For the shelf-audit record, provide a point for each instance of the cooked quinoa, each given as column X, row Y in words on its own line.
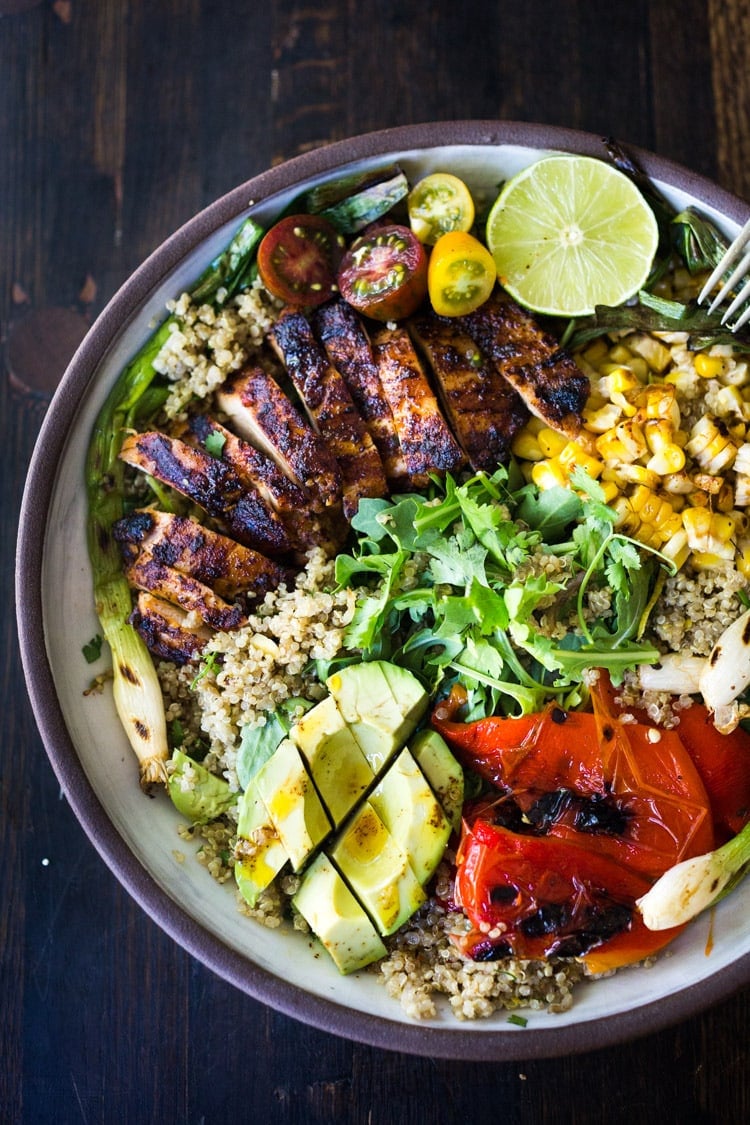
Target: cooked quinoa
column 272, row 659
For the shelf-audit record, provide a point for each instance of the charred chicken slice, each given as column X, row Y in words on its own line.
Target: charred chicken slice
column 229, row 568
column 347, row 346
column 483, row 409
column 145, row 572
column 331, row 408
column 426, row 442
column 261, row 413
column 288, row 499
column 167, row 630
column 546, row 377
column 210, row 484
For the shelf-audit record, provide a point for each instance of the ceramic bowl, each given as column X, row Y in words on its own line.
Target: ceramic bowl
column 87, row 748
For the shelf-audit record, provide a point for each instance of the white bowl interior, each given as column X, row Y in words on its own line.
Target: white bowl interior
column 149, row 827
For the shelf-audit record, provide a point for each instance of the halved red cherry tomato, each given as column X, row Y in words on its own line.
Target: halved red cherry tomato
column 534, row 897
column 723, row 762
column 462, row 274
column 298, row 259
column 384, row 273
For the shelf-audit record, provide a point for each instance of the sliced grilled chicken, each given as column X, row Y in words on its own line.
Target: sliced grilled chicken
column 210, row 484
column 166, row 630
column 484, row 411
column 331, row 408
column 261, row 413
column 426, row 442
column 347, row 346
column 144, row 572
column 229, row 568
column 546, row 377
column 289, row 500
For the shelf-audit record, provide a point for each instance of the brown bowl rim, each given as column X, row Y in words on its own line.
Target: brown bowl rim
column 445, row 1042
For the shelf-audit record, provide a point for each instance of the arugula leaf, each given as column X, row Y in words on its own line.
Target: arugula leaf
column 257, row 744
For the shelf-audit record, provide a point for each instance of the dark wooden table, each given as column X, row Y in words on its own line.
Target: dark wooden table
column 118, row 121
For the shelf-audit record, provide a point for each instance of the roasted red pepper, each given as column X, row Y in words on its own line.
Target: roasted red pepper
column 723, row 762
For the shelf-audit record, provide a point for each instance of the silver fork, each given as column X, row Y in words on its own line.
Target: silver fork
column 739, row 279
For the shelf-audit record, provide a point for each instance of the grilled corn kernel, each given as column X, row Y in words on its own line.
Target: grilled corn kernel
column 742, row 460
column 710, row 560
column 549, row 474
column 709, row 533
column 742, row 558
column 729, row 403
column 659, row 401
column 676, row 548
column 596, row 352
column 574, row 454
column 652, row 351
column 610, row 490
column 638, row 474
column 677, row 484
column 667, row 457
column 742, row 491
column 550, row 442
column 620, row 354
column 711, row 446
column 602, row 418
column 708, row 366
column 622, row 380
column 526, row 446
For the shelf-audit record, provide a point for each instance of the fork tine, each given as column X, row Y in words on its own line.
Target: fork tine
column 739, row 272
column 741, row 319
column 732, row 253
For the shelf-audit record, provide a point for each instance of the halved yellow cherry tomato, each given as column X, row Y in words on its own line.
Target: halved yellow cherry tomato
column 461, row 274
column 437, row 204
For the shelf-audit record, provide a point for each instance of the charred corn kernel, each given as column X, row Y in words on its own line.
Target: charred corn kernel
column 659, row 401
column 648, row 517
column 742, row 490
column 550, row 442
column 596, row 352
column 549, row 474
column 708, row 366
column 526, row 446
column 729, row 403
column 620, row 354
column 725, row 499
column 622, row 380
column 574, row 454
column 602, row 418
column 711, row 446
column 709, row 533
column 667, row 457
column 652, row 351
column 707, row 483
column 676, row 548
column 638, row 474
column 677, row 484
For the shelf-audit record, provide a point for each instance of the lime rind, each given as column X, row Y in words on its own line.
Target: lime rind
column 569, row 233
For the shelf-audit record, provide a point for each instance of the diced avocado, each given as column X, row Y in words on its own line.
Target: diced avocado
column 382, row 704
column 293, row 804
column 196, row 793
column 335, row 916
column 260, row 854
column 378, row 871
column 412, row 814
column 333, row 757
column 442, row 771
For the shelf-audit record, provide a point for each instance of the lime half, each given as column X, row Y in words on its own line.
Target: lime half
column 569, row 233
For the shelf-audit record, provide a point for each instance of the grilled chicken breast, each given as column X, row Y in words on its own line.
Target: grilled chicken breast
column 426, row 442
column 331, row 408
column 347, row 346
column 548, row 379
column 257, row 471
column 212, row 485
column 484, row 411
column 261, row 413
column 166, row 630
column 229, row 568
column 144, row 572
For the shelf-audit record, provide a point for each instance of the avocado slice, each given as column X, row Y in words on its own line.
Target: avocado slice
column 260, row 854
column 206, row 797
column 382, row 704
column 412, row 814
column 443, row 772
column 377, row 870
column 332, row 755
column 293, row 805
column 335, row 916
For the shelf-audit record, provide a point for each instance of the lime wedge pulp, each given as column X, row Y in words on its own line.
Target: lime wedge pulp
column 571, row 232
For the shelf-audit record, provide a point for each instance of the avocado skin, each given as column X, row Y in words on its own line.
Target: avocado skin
column 382, row 704
column 443, row 772
column 335, row 916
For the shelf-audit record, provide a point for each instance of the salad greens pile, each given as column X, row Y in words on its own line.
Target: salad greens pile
column 450, row 585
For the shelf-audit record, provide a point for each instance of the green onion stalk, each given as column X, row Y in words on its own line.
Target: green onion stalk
column 136, row 688
column 690, row 887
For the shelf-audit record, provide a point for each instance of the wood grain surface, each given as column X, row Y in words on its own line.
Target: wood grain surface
column 118, row 121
